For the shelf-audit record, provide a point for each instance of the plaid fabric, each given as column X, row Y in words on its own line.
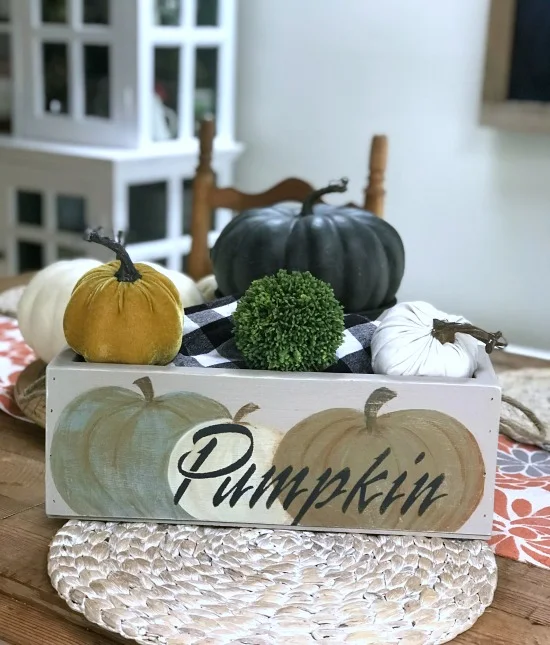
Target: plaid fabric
column 208, row 340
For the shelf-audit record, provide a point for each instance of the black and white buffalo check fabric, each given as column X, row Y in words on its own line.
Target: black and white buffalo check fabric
column 208, row 340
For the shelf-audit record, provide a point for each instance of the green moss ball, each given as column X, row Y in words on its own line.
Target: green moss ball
column 290, row 322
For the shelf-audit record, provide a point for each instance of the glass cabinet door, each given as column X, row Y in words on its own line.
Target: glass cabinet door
column 165, row 107
column 97, row 90
column 55, row 74
column 168, row 13
column 54, row 11
column 206, row 83
column 96, row 12
column 186, row 86
column 207, row 13
column 84, row 55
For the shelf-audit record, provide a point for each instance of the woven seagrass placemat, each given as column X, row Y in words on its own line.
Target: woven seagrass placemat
column 187, row 585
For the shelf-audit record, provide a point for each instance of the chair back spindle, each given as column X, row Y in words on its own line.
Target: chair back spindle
column 208, row 197
column 374, row 192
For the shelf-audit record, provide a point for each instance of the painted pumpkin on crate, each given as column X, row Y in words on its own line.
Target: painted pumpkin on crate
column 122, row 453
column 229, row 447
column 42, row 305
column 403, row 470
column 121, row 312
column 360, row 255
column 112, row 445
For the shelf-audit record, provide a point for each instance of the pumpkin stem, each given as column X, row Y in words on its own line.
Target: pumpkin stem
column 146, row 386
column 247, row 409
column 376, row 400
column 334, row 187
column 445, row 332
column 127, row 271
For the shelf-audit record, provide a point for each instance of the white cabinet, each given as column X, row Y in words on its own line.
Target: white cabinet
column 122, row 73
column 100, row 102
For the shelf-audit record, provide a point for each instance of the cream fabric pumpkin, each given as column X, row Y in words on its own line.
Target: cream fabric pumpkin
column 42, row 305
column 189, row 292
column 403, row 344
column 207, row 286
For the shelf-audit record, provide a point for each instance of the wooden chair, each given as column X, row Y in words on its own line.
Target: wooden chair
column 207, row 196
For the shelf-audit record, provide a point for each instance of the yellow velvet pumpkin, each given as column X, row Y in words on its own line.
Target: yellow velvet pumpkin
column 121, row 312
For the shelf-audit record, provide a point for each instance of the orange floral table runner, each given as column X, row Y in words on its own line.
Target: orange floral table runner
column 521, row 526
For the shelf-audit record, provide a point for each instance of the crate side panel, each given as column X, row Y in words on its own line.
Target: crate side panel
column 163, row 444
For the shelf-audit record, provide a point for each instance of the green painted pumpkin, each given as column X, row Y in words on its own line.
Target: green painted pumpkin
column 360, row 255
column 111, row 449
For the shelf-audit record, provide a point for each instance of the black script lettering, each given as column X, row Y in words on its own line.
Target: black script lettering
column 364, row 482
column 222, row 428
column 238, row 490
column 204, row 453
column 391, row 496
column 341, row 477
column 431, row 489
column 280, row 484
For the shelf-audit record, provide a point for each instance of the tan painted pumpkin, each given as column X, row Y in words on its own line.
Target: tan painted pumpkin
column 397, row 462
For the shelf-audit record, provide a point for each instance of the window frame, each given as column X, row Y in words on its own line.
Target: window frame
column 497, row 110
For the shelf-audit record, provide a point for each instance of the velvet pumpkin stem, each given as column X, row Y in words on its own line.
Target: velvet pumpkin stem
column 445, row 332
column 334, row 187
column 127, row 271
column 146, row 386
column 243, row 412
column 376, row 400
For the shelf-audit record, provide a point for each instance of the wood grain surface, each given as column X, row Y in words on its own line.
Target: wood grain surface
column 32, row 612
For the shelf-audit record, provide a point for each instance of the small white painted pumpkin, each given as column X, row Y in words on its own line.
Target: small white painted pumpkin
column 228, row 448
column 42, row 306
column 208, row 286
column 416, row 339
column 190, row 294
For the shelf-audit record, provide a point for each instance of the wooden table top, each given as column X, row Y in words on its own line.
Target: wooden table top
column 32, row 612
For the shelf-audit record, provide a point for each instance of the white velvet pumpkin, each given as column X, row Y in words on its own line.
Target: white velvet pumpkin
column 42, row 305
column 403, row 344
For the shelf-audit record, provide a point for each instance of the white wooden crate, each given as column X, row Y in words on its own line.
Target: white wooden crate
column 172, row 448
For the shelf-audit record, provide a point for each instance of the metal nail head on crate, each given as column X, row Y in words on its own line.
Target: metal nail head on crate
column 361, row 453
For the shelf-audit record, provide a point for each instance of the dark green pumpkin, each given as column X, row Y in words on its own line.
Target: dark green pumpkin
column 360, row 255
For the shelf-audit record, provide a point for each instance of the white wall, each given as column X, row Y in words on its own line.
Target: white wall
column 317, row 78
